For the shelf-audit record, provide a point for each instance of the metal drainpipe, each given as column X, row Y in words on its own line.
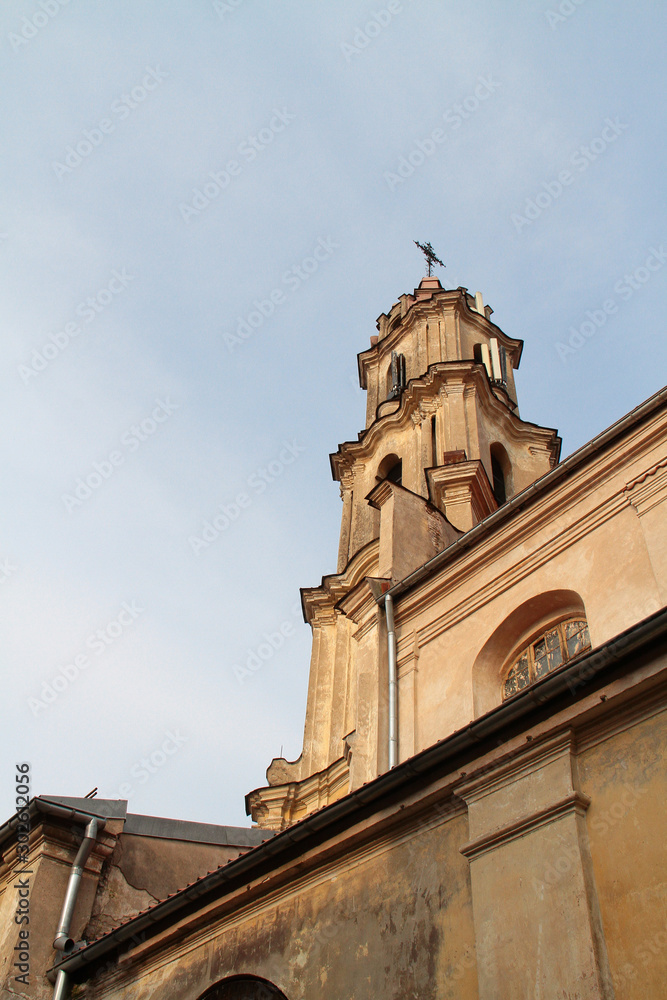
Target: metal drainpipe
column 393, row 686
column 63, row 942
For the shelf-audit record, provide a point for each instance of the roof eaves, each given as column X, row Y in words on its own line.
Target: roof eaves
column 575, row 680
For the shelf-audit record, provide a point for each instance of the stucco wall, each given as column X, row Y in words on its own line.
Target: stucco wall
column 624, row 775
column 392, row 922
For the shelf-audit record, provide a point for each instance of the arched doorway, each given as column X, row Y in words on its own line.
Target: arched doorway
column 243, row 988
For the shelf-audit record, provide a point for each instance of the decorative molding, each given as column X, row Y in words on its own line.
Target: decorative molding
column 574, row 803
column 531, row 758
column 619, row 718
column 320, row 607
column 427, row 407
column 645, row 475
column 379, row 495
column 445, row 377
column 275, row 807
column 461, row 488
column 320, row 602
column 535, row 809
column 649, row 489
column 359, row 604
column 346, row 479
column 476, row 559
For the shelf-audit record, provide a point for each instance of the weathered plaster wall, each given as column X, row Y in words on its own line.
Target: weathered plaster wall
column 144, row 870
column 394, row 922
column 625, row 777
column 50, row 864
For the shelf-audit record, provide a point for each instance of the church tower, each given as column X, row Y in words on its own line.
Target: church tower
column 443, row 447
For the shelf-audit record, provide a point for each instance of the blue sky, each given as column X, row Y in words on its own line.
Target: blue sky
column 204, row 209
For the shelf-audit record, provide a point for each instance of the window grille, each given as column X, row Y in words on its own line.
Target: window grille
column 555, row 646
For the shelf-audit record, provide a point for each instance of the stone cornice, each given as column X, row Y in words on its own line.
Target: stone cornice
column 575, row 802
column 530, row 760
column 649, row 489
column 421, row 391
column 466, row 482
column 425, row 303
column 278, row 806
column 319, row 603
column 360, row 602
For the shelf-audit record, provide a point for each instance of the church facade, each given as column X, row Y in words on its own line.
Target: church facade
column 478, row 811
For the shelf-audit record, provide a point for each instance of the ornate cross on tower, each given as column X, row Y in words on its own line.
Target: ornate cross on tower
column 431, row 258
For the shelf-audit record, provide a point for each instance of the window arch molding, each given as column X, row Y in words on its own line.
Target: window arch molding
column 514, row 632
column 243, row 988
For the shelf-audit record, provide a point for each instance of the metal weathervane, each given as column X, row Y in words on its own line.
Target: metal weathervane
column 430, row 254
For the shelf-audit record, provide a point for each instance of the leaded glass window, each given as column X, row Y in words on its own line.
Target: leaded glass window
column 547, row 652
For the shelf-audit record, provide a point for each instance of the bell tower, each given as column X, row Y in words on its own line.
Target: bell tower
column 441, row 408
column 443, row 446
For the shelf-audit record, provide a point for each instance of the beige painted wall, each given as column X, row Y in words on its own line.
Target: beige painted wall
column 390, row 921
column 625, row 777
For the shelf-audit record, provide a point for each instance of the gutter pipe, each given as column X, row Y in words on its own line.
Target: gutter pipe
column 582, row 673
column 393, row 685
column 63, row 942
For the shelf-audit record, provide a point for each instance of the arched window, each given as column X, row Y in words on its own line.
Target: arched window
column 545, row 653
column 499, row 491
column 391, row 468
column 396, row 376
column 501, row 474
column 515, row 634
column 243, row 988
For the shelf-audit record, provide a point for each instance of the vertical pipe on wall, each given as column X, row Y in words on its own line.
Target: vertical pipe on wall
column 393, row 685
column 63, row 942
